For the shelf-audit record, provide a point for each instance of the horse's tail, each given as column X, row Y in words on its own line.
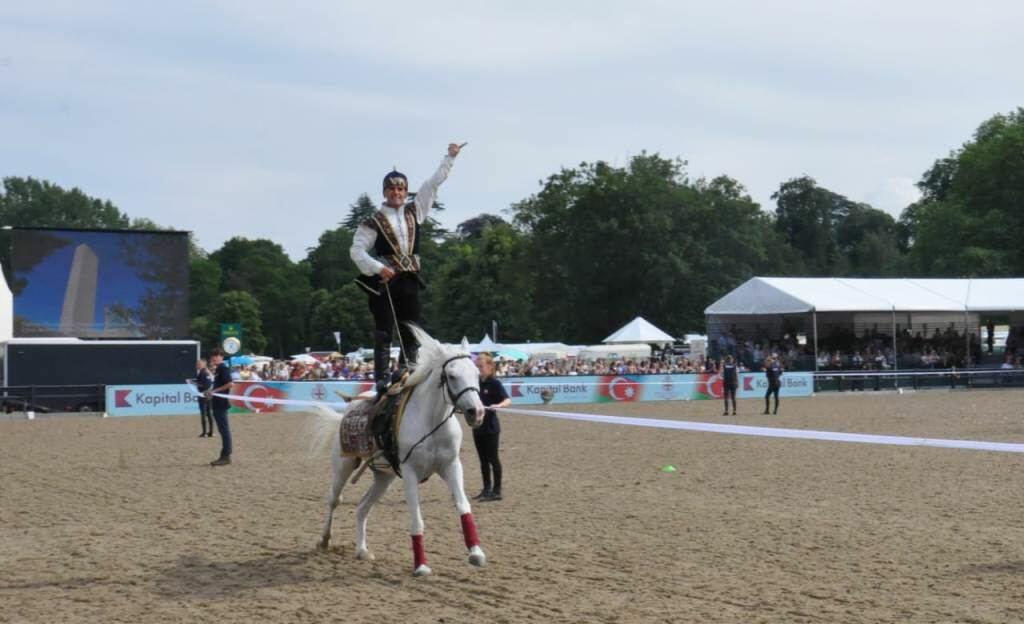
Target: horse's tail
column 324, row 429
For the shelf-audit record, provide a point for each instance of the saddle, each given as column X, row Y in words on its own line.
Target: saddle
column 370, row 428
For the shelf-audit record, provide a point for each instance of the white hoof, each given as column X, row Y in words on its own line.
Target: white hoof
column 363, row 554
column 477, row 557
column 423, row 570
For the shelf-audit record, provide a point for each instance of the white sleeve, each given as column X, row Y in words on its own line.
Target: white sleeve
column 362, row 242
column 425, row 196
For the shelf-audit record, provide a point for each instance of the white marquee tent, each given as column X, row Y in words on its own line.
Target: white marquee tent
column 793, row 295
column 639, row 330
column 882, row 302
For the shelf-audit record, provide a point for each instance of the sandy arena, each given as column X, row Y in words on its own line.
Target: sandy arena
column 123, row 520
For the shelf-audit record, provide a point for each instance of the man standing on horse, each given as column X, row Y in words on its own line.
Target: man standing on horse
column 391, row 273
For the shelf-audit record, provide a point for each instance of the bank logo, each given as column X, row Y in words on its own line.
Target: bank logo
column 121, row 398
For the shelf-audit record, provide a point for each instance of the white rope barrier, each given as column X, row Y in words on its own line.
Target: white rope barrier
column 945, row 373
column 773, row 432
column 242, row 398
column 763, row 432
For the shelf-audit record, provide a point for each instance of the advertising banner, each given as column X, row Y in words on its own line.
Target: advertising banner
column 249, row 393
column 181, row 399
column 630, row 388
column 151, row 400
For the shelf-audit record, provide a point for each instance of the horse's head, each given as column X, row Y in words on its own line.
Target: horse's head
column 460, row 379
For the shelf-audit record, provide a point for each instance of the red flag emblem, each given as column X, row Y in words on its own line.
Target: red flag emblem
column 253, row 392
column 617, row 388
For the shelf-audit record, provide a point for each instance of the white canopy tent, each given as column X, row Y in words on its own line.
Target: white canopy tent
column 624, row 351
column 639, row 330
column 791, row 295
column 875, row 299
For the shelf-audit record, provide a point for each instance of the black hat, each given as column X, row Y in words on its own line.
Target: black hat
column 395, row 177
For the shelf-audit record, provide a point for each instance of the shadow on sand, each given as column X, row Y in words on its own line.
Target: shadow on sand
column 197, row 577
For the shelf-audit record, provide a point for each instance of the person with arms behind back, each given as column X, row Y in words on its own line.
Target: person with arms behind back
column 730, row 382
column 204, row 381
column 773, row 372
column 487, row 435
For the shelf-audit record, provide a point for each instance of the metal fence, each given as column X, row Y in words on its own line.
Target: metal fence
column 89, row 398
column 953, row 378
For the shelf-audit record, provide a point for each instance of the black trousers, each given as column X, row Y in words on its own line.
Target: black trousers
column 487, row 450
column 220, row 416
column 405, row 296
column 730, row 392
column 206, row 415
column 772, row 390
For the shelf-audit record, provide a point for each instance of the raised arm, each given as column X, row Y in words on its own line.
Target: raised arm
column 428, row 192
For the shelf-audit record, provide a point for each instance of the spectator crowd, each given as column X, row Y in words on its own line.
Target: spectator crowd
column 843, row 349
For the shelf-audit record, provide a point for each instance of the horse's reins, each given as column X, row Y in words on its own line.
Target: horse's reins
column 454, row 403
column 394, row 317
column 387, row 283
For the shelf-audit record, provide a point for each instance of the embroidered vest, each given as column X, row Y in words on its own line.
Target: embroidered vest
column 386, row 247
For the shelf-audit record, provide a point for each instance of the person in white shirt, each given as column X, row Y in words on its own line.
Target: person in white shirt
column 391, row 273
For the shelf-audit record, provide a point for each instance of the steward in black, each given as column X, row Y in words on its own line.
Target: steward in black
column 730, row 382
column 773, row 372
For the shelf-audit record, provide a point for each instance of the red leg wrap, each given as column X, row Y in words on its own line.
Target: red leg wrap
column 469, row 530
column 419, row 555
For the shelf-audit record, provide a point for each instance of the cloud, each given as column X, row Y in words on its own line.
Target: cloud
column 893, row 195
column 263, row 119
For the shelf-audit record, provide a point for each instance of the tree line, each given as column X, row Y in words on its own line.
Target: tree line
column 596, row 246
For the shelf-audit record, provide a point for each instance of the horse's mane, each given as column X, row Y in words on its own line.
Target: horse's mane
column 431, row 355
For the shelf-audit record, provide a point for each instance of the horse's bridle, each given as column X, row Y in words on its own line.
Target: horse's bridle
column 451, row 396
column 446, row 384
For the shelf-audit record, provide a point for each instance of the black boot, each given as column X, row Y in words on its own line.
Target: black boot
column 410, row 349
column 381, row 359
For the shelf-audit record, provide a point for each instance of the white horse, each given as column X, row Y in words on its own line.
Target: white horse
column 444, row 381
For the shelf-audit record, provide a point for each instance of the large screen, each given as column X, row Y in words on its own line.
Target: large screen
column 99, row 284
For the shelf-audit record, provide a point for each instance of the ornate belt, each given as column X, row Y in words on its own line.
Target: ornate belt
column 404, row 263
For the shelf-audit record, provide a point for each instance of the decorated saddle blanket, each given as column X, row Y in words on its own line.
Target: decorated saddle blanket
column 356, row 431
column 372, row 426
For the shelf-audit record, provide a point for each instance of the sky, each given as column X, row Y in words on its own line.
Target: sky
column 266, row 120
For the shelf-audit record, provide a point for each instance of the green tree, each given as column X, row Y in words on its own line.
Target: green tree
column 485, row 274
column 971, row 213
column 204, row 277
column 234, row 306
column 360, row 211
column 281, row 286
column 329, row 262
column 343, row 310
column 607, row 244
column 474, row 228
column 834, row 235
column 806, row 216
column 27, row 202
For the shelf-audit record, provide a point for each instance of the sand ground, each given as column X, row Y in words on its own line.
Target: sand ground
column 123, row 520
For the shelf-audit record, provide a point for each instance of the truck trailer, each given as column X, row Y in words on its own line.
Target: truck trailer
column 71, row 374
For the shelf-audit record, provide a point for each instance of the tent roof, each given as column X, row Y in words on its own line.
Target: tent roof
column 793, row 295
column 638, row 330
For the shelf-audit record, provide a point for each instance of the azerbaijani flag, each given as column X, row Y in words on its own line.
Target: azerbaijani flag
column 618, row 388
